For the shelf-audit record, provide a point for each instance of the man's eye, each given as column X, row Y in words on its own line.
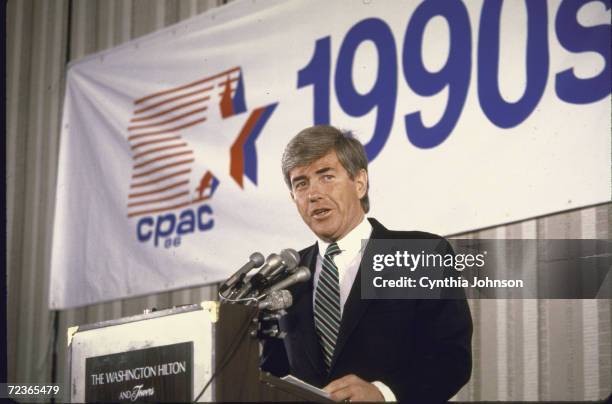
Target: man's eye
column 328, row 177
column 299, row 185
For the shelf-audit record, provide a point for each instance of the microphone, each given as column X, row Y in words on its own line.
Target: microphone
column 259, row 280
column 272, row 262
column 290, row 259
column 277, row 300
column 302, row 274
column 255, row 260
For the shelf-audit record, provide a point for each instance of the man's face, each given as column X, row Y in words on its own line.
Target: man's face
column 327, row 198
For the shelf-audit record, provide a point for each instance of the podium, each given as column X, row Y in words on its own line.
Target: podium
column 170, row 356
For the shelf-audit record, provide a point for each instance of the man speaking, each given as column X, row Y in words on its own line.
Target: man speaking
column 357, row 349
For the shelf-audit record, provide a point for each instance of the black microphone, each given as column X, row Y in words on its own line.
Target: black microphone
column 255, row 260
column 277, row 300
column 301, row 275
column 259, row 280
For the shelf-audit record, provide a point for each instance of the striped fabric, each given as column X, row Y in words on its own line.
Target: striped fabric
column 327, row 304
column 162, row 158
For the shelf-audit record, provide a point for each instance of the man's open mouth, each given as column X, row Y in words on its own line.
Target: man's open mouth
column 320, row 213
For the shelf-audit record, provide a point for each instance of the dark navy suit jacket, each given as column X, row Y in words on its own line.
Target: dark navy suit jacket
column 421, row 349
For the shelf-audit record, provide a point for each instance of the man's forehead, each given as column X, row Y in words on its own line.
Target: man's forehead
column 329, row 160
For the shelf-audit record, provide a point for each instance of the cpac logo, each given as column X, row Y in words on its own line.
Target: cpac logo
column 171, row 187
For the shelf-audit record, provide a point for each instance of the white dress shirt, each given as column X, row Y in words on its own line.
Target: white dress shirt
column 351, row 250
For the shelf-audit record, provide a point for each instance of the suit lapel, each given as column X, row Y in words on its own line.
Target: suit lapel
column 308, row 334
column 355, row 306
column 353, row 311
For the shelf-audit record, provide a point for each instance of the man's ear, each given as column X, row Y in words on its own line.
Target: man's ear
column 361, row 183
column 292, row 196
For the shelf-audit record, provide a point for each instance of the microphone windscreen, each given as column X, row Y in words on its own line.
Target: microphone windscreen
column 290, row 257
column 277, row 300
column 257, row 259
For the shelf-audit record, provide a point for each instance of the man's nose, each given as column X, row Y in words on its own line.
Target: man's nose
column 314, row 196
column 314, row 193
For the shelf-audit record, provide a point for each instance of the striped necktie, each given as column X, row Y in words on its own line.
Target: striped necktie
column 327, row 304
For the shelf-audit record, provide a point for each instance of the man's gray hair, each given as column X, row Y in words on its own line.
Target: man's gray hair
column 315, row 142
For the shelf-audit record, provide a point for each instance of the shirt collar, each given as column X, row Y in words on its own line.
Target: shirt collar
column 352, row 242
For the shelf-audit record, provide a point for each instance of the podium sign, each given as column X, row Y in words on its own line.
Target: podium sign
column 164, row 356
column 159, row 374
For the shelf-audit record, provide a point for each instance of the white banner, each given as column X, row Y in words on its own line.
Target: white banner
column 473, row 114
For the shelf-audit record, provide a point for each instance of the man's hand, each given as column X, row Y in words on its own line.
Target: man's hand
column 353, row 388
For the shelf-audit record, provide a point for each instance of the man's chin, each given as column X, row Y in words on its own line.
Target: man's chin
column 327, row 236
column 320, row 231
